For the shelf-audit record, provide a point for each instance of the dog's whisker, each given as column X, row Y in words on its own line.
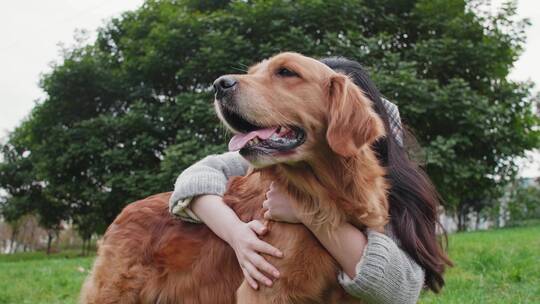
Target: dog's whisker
column 243, row 70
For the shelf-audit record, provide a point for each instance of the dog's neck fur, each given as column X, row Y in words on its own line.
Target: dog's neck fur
column 331, row 189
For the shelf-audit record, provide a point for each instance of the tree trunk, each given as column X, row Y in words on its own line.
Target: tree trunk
column 12, row 246
column 83, row 253
column 49, row 241
column 462, row 218
column 31, row 240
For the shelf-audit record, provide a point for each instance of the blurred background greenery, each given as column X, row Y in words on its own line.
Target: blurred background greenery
column 125, row 113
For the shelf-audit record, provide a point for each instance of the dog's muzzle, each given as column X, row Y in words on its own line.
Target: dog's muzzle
column 224, row 86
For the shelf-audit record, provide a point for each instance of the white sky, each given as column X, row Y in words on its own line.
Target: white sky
column 30, row 31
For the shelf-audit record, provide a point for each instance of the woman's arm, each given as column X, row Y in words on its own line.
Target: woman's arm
column 385, row 273
column 345, row 243
column 197, row 198
column 242, row 237
column 381, row 272
column 207, row 176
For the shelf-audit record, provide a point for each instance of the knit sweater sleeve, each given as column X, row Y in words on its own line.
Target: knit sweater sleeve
column 207, row 176
column 385, row 273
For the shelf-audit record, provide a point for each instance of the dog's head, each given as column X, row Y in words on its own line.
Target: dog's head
column 291, row 107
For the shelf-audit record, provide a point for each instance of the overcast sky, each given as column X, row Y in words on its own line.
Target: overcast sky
column 30, row 31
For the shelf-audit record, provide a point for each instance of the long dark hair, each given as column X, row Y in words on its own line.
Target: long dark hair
column 413, row 199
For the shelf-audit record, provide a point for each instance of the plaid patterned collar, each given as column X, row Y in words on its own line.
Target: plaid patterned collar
column 396, row 128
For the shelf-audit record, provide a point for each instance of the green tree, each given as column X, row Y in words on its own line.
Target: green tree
column 126, row 113
column 25, row 191
column 524, row 202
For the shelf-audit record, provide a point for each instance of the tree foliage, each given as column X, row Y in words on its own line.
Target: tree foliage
column 126, row 113
column 524, row 202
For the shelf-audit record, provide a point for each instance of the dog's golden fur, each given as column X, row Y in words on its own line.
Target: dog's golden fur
column 147, row 256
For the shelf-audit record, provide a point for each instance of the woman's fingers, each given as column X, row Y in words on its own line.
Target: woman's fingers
column 263, row 264
column 271, row 186
column 258, row 227
column 267, row 215
column 249, row 279
column 264, row 247
column 253, row 263
column 271, row 190
column 256, row 274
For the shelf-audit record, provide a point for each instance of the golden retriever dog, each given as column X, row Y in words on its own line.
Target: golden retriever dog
column 301, row 125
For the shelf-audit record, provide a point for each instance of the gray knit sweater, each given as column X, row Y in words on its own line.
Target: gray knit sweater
column 385, row 273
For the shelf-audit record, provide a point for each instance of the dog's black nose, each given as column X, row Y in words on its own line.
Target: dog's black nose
column 224, row 84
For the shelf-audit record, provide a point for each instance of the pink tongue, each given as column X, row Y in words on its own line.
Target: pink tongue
column 240, row 140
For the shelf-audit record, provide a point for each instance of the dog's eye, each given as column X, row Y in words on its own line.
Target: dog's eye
column 284, row 72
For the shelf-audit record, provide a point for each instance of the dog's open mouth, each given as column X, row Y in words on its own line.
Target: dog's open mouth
column 262, row 139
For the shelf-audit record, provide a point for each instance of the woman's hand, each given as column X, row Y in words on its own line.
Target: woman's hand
column 242, row 237
column 279, row 206
column 345, row 243
column 248, row 248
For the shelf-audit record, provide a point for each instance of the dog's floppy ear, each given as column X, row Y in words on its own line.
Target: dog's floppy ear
column 352, row 122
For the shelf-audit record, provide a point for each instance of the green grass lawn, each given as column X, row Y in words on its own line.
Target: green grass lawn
column 35, row 278
column 498, row 266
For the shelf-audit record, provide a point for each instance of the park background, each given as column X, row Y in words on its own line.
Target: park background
column 125, row 105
